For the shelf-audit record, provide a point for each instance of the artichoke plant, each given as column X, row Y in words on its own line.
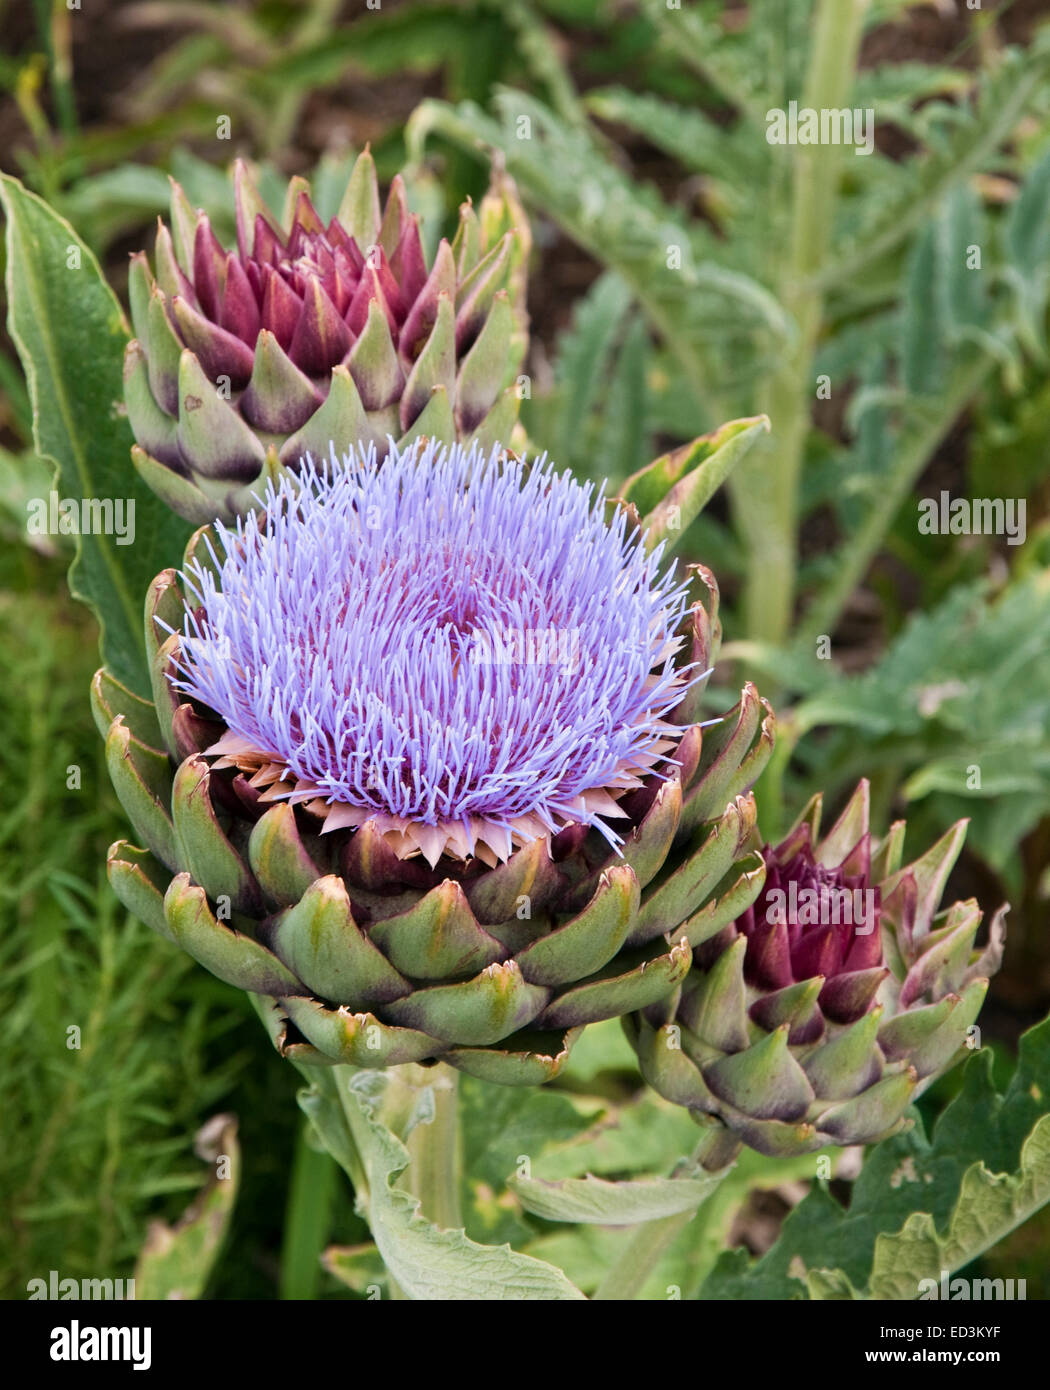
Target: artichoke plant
column 245, row 361
column 833, row 1000
column 424, row 768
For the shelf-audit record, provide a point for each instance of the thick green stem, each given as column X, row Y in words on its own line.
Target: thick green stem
column 766, row 486
column 434, row 1173
column 307, row 1225
column 420, row 1106
column 714, row 1154
column 640, row 1256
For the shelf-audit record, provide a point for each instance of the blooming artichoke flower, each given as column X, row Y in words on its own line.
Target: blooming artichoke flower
column 424, row 768
column 245, row 361
column 832, row 1001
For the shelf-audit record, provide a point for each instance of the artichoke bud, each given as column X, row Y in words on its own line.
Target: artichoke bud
column 832, row 1000
column 245, row 360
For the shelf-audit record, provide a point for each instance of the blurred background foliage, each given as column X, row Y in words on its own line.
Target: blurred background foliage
column 632, row 129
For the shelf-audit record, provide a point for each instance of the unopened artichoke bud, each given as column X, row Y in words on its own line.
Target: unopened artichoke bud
column 246, row 360
column 834, row 1000
column 425, row 768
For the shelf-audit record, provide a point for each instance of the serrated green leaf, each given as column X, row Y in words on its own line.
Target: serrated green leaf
column 830, row 1284
column 70, row 334
column 541, row 54
column 672, row 267
column 686, row 134
column 426, row 1262
column 990, row 1205
column 975, row 665
column 595, row 1200
column 639, row 1136
column 894, row 89
column 918, row 1201
column 586, row 1253
column 960, row 704
column 976, row 134
column 728, row 63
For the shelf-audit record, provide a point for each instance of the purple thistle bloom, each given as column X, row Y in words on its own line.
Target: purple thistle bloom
column 462, row 649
